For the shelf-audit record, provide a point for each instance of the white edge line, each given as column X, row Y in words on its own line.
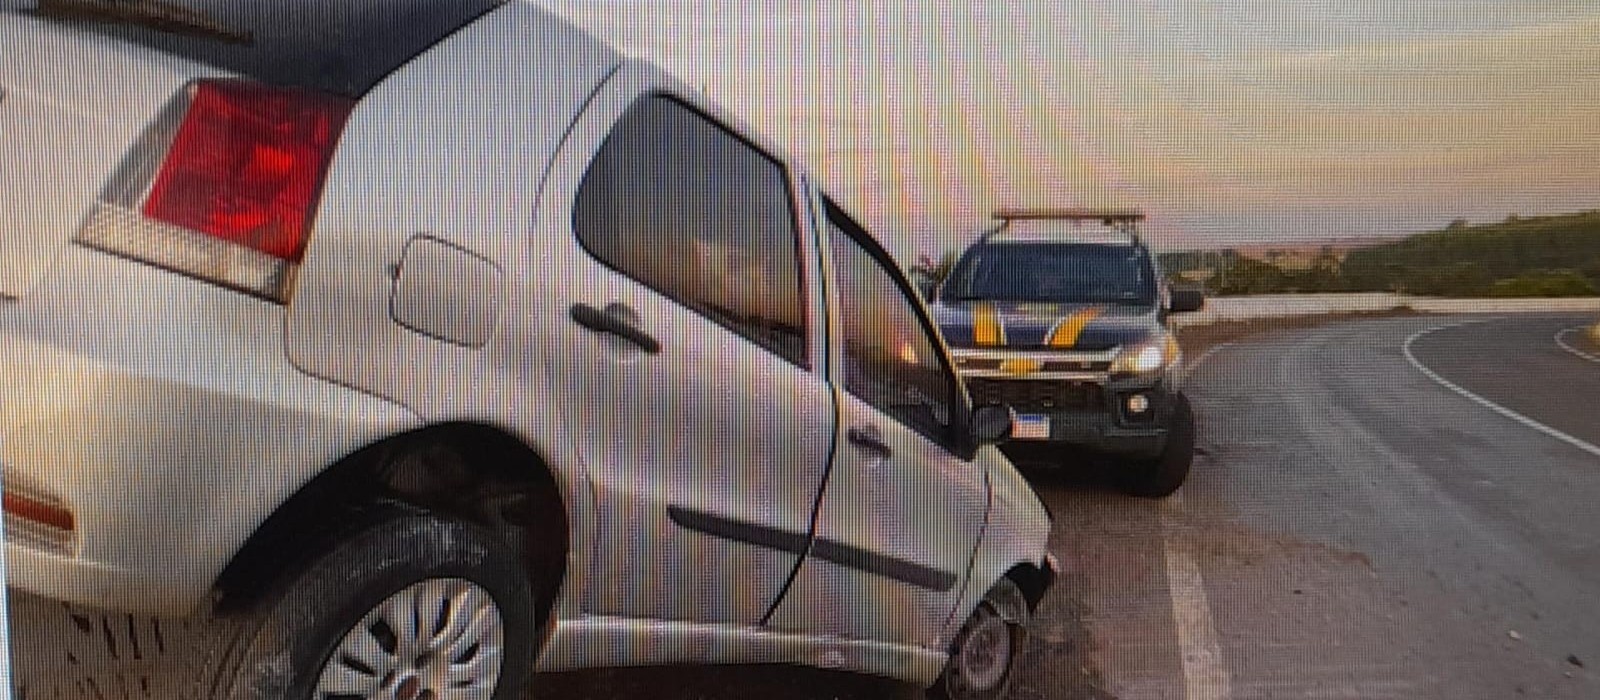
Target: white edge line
column 1207, row 355
column 1205, row 675
column 1565, row 346
column 1497, row 408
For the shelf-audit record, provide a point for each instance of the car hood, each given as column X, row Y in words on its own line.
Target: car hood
column 1044, row 325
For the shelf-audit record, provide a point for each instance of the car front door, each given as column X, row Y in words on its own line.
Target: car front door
column 688, row 343
column 901, row 514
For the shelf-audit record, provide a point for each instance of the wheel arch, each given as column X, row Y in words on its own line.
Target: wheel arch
column 1033, row 579
column 473, row 471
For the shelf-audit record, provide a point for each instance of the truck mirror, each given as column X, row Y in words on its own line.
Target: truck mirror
column 1185, row 300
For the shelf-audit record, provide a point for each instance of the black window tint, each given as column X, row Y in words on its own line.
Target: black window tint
column 680, row 204
column 1055, row 272
column 890, row 360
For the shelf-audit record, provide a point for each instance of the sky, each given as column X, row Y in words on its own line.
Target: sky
column 1232, row 121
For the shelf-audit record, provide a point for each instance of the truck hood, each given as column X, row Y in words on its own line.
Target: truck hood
column 1044, row 325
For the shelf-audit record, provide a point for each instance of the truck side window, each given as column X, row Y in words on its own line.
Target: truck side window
column 890, row 360
column 687, row 208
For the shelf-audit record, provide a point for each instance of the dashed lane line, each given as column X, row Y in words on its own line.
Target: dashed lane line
column 1497, row 408
column 1204, row 673
column 1561, row 339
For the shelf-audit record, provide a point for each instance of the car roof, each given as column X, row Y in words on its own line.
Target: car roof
column 343, row 46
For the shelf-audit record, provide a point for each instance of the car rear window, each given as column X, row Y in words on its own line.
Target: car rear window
column 343, row 47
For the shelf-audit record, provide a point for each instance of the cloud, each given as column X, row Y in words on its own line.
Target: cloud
column 1341, row 118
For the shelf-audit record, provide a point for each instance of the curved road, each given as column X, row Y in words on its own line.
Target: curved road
column 1403, row 507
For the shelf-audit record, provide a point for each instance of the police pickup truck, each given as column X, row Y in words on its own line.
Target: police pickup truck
column 1064, row 316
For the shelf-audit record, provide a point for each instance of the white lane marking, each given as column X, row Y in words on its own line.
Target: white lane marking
column 1207, row 355
column 1561, row 340
column 1204, row 674
column 1497, row 408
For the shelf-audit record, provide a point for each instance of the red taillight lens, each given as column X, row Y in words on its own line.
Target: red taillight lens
column 247, row 164
column 39, row 511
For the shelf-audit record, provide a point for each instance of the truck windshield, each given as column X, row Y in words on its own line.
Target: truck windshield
column 340, row 47
column 1085, row 273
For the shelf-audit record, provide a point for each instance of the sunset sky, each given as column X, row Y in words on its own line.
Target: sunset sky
column 1227, row 121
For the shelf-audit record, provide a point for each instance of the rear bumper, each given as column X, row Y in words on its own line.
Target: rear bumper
column 163, row 415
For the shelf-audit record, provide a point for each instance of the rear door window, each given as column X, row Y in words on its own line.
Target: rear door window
column 684, row 206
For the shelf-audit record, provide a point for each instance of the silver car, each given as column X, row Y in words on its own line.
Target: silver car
column 414, row 347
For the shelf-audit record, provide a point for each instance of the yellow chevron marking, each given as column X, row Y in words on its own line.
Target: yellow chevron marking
column 1065, row 334
column 986, row 327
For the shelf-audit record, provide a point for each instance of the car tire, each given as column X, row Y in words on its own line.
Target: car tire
column 1159, row 477
column 408, row 604
column 983, row 657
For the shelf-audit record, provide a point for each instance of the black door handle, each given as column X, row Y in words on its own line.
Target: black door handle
column 868, row 438
column 612, row 321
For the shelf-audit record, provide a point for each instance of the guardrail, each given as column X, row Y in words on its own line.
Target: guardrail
column 1243, row 308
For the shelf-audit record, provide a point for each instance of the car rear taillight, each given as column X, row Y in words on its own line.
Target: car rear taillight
column 234, row 196
column 38, row 521
column 247, row 165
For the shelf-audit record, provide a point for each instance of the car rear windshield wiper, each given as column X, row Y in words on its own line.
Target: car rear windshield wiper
column 151, row 14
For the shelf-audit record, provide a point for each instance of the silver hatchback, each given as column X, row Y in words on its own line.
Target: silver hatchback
column 418, row 351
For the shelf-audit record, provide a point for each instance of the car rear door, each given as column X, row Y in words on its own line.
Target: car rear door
column 686, row 353
column 902, row 512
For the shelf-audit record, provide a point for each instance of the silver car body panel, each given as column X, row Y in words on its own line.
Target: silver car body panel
column 98, row 380
column 901, row 530
column 74, row 105
column 685, row 504
column 462, row 166
column 609, row 641
column 1017, row 533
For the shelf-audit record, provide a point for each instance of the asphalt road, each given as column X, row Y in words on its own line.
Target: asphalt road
column 1355, row 527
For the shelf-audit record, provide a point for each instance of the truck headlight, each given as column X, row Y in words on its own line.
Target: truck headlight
column 1152, row 355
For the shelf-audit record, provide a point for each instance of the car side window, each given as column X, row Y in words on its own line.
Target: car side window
column 890, row 359
column 684, row 206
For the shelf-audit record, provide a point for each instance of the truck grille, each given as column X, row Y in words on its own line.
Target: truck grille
column 1035, row 395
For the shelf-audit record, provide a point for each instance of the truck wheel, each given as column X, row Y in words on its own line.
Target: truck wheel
column 985, row 651
column 1161, row 476
column 411, row 607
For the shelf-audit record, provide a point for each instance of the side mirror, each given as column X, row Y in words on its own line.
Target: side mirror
column 991, row 424
column 1184, row 300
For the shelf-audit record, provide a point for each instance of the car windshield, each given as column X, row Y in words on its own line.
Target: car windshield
column 340, row 47
column 1054, row 272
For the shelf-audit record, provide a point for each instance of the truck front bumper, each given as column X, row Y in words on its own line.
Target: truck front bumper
column 1122, row 417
